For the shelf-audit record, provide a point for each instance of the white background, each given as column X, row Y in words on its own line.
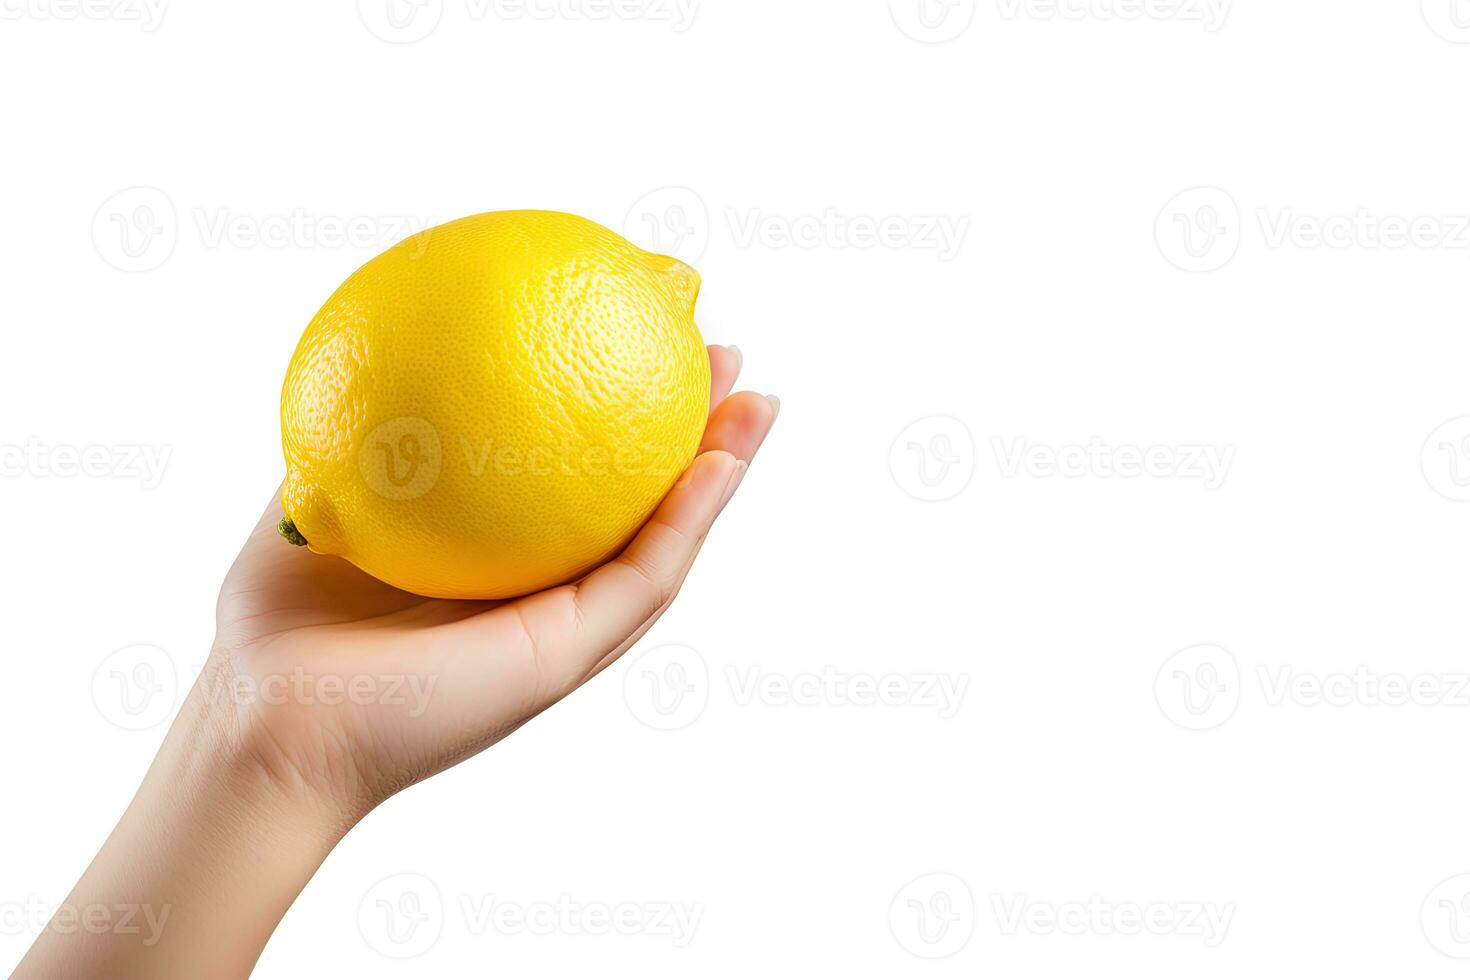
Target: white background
column 1293, row 320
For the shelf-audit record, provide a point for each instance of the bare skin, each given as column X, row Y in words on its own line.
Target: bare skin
column 326, row 692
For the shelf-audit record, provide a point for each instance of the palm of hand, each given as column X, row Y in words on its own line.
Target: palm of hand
column 346, row 688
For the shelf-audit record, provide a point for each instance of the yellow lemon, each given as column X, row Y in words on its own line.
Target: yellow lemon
column 493, row 406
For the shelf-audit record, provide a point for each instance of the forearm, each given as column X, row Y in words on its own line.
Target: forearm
column 197, row 873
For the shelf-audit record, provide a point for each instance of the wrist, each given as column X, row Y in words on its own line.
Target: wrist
column 233, row 755
column 212, row 851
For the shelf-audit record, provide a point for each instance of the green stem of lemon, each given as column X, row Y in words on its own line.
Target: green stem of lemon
column 287, row 527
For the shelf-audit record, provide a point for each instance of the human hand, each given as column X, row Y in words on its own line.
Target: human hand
column 353, row 689
column 327, row 691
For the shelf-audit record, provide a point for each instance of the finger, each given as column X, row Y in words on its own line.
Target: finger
column 615, row 599
column 567, row 630
column 739, row 425
column 647, row 624
column 568, row 633
column 724, row 368
column 606, row 600
column 737, row 428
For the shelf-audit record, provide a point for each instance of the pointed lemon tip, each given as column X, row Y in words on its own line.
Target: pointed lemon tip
column 685, row 282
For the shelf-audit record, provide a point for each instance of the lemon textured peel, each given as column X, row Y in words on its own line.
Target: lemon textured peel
column 493, row 406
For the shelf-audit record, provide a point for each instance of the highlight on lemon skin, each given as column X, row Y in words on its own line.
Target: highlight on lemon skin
column 493, row 406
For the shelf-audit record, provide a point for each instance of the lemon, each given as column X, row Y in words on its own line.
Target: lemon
column 493, row 406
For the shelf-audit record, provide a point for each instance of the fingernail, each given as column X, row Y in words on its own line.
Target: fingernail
column 739, row 357
column 740, row 467
column 775, row 406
